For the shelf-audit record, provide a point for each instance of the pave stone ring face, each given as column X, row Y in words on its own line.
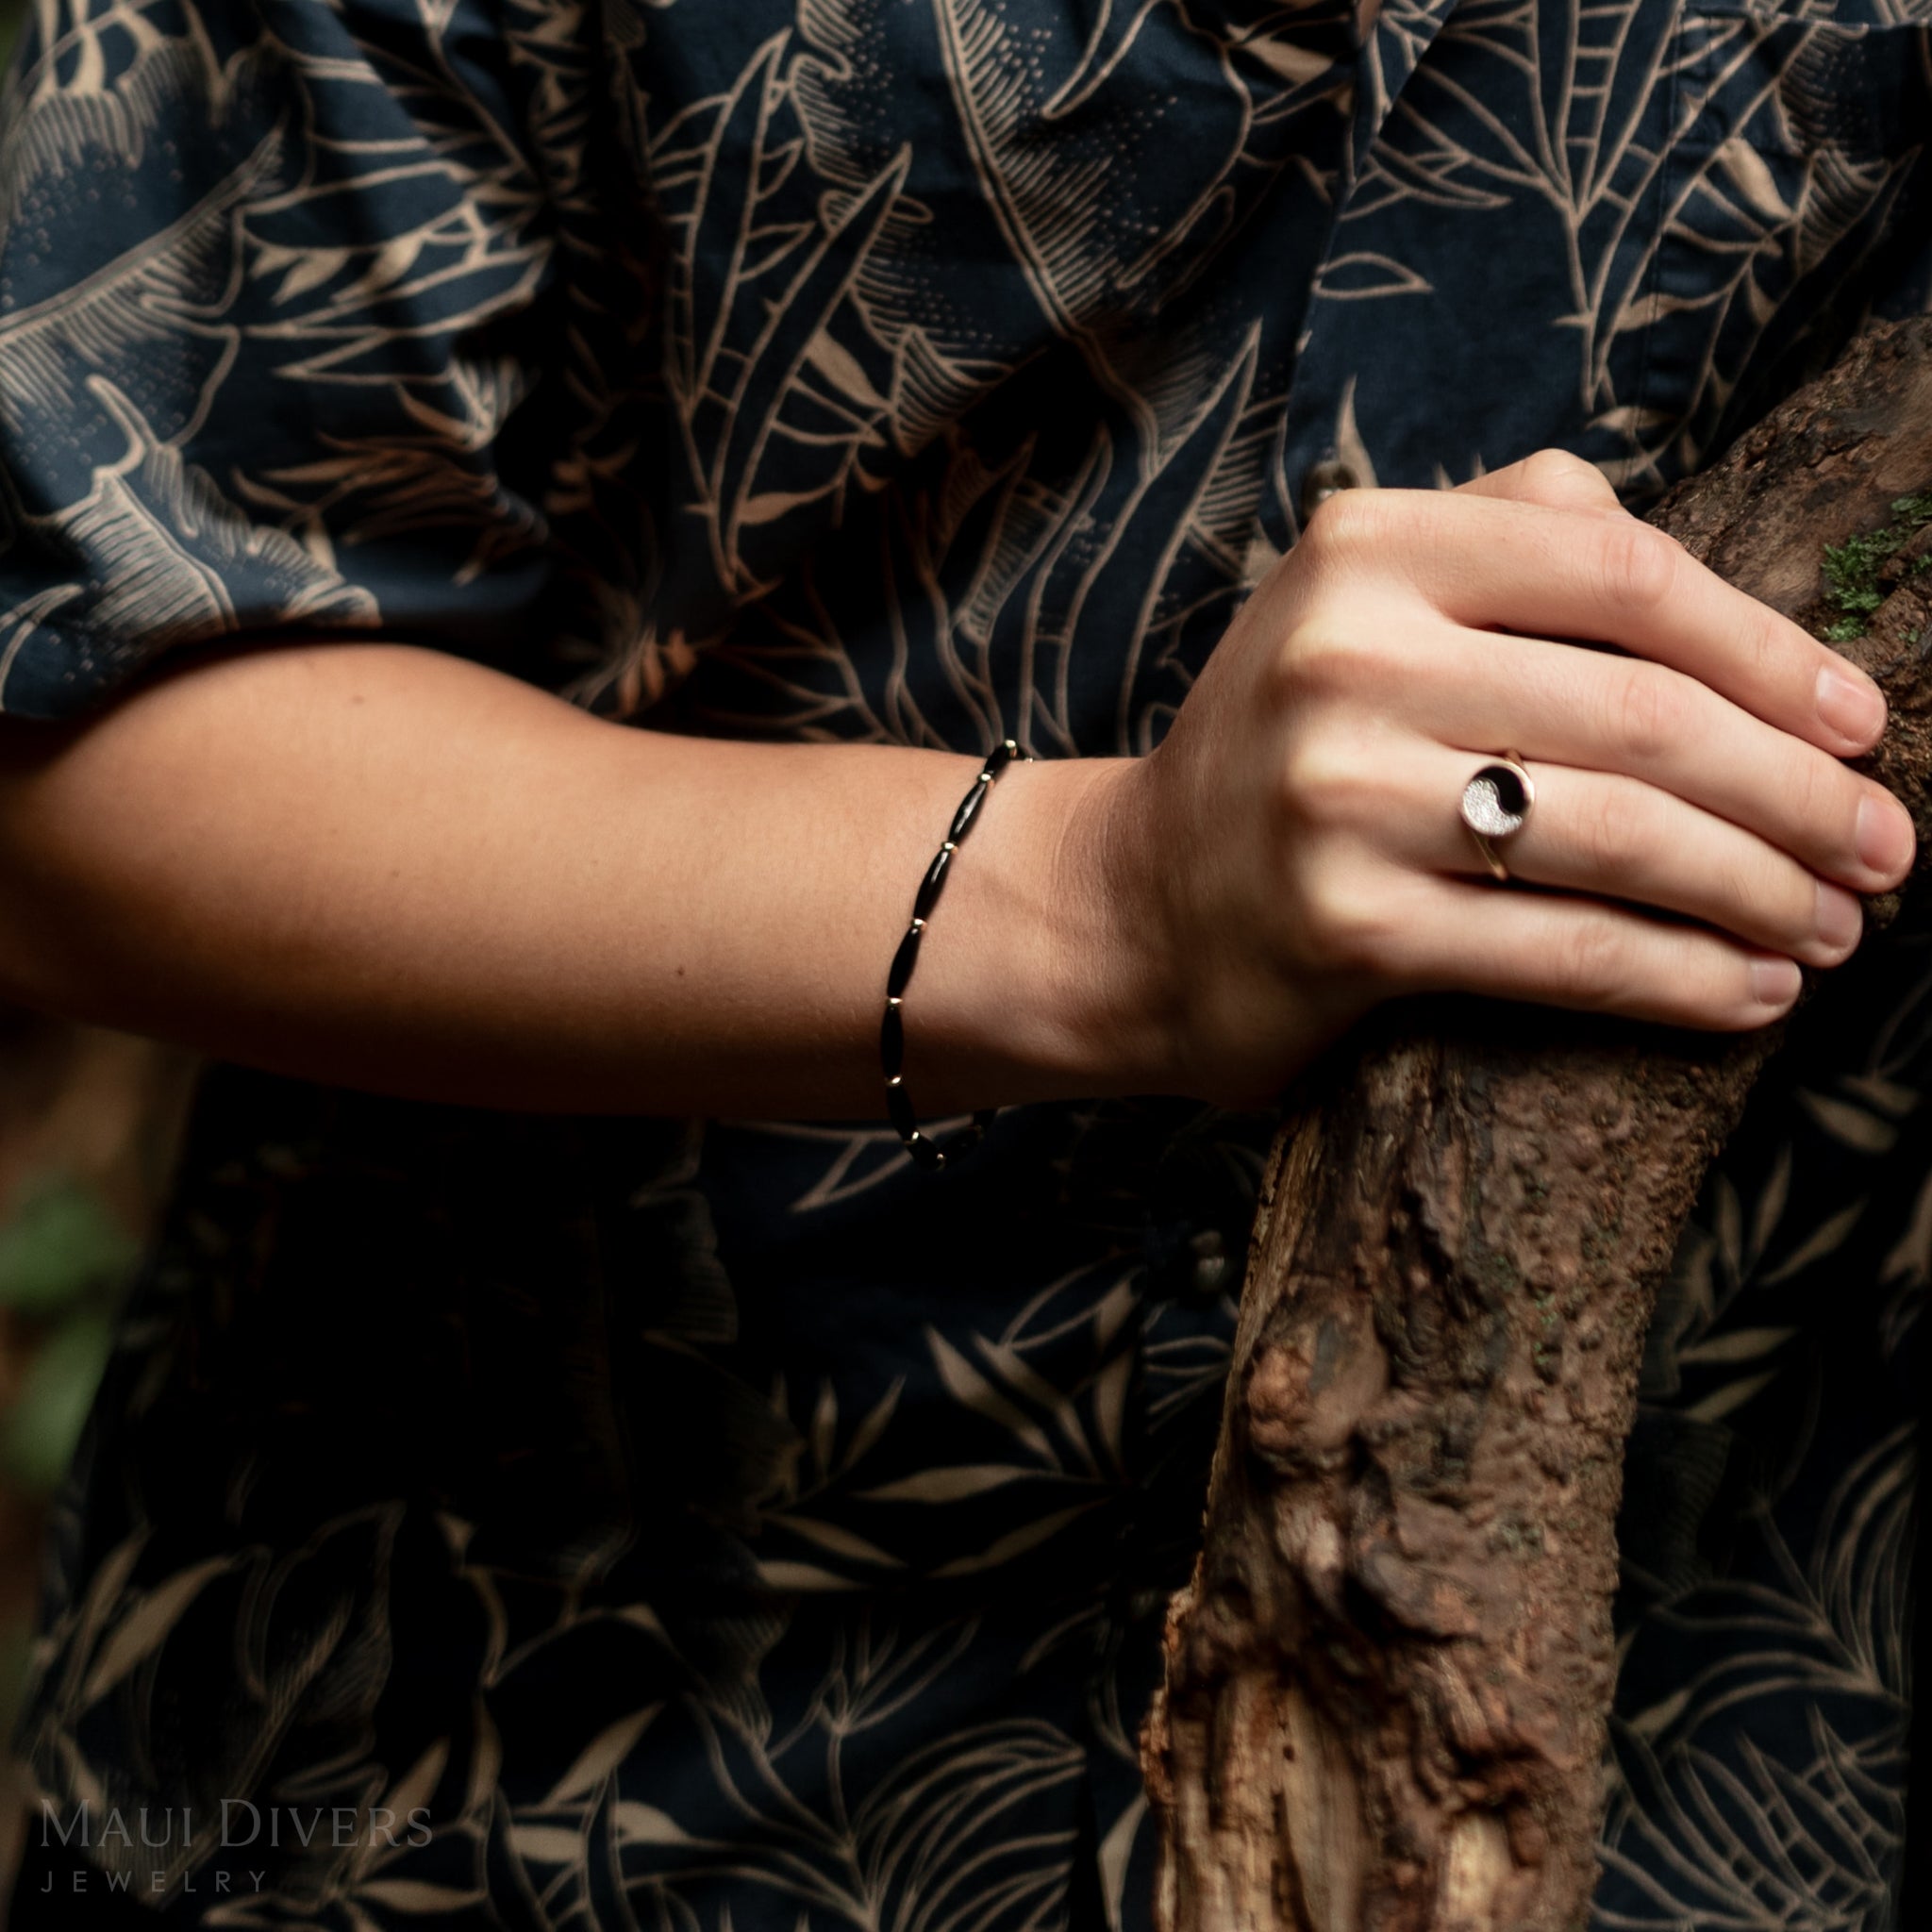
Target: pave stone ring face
column 1495, row 807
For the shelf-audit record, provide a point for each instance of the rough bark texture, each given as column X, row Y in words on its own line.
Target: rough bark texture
column 1387, row 1682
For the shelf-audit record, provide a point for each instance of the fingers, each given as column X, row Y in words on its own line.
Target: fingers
column 1601, row 713
column 1616, row 838
column 1589, row 957
column 1519, row 566
column 1554, row 478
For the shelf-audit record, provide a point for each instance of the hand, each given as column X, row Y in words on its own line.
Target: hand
column 1293, row 852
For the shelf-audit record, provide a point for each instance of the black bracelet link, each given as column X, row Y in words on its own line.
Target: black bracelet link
column 925, row 1151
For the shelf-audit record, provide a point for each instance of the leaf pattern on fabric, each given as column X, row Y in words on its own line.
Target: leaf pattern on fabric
column 715, row 1524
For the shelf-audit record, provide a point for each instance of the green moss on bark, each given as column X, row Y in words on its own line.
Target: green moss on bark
column 1853, row 583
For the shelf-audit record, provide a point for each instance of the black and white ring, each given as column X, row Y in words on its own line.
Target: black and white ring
column 1495, row 807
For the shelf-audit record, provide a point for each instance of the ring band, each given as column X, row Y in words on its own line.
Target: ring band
column 1495, row 807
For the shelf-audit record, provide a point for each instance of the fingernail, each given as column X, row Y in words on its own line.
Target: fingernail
column 1775, row 982
column 1885, row 838
column 1841, row 917
column 1850, row 703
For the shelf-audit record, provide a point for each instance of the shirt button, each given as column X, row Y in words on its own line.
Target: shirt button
column 1322, row 482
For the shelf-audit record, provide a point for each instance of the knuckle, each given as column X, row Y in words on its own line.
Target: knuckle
column 1649, row 713
column 1797, row 892
column 1613, row 828
column 1345, row 924
column 1324, row 658
column 1752, row 895
column 1635, row 568
column 1590, row 961
column 1766, row 646
column 1346, row 524
column 1560, row 478
column 1815, row 792
column 1323, row 788
column 1818, row 790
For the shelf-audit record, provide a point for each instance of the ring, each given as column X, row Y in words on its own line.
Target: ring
column 1495, row 807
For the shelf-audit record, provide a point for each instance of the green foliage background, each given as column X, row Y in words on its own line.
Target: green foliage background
column 63, row 1260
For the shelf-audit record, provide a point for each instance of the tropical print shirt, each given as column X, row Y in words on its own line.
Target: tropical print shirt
column 719, row 1526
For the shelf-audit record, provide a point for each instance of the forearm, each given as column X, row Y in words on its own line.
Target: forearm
column 391, row 869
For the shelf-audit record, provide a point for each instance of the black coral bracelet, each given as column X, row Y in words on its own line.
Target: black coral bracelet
column 925, row 1151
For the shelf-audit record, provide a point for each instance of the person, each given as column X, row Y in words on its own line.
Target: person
column 522, row 524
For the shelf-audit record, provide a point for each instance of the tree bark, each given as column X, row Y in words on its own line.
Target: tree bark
column 1389, row 1680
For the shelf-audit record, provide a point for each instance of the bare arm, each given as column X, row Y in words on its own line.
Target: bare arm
column 388, row 868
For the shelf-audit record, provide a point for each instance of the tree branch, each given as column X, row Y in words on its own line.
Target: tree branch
column 1389, row 1680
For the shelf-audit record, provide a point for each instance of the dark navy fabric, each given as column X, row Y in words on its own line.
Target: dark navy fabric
column 719, row 1523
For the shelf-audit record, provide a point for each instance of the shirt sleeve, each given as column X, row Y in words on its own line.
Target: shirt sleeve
column 285, row 342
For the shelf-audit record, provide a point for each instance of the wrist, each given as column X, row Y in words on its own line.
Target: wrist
column 1142, row 994
column 1118, row 986
column 1047, row 982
